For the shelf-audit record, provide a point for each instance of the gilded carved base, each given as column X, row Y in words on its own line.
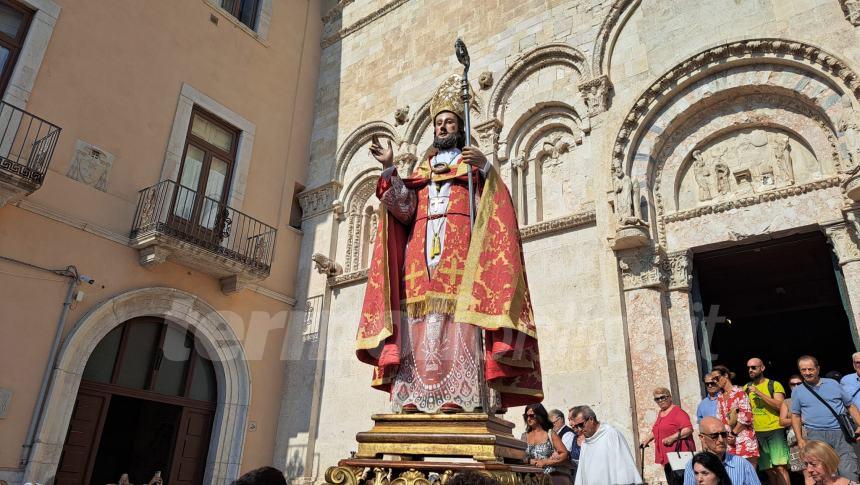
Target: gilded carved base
column 479, row 436
column 388, row 472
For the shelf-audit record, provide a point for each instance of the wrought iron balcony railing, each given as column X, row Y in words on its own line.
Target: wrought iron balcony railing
column 172, row 210
column 27, row 143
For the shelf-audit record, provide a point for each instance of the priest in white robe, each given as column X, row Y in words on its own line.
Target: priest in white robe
column 605, row 458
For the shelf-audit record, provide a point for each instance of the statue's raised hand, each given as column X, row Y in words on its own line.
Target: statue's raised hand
column 384, row 155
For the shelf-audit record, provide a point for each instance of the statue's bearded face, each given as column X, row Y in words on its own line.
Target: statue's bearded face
column 447, row 131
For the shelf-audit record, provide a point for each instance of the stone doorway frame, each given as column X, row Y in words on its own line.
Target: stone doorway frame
column 214, row 333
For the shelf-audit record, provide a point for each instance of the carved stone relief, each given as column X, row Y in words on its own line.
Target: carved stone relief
column 401, row 116
column 596, row 93
column 848, row 124
column 90, row 165
column 325, row 265
column 744, row 163
column 626, row 198
column 641, row 268
column 311, row 327
column 485, row 80
column 851, row 9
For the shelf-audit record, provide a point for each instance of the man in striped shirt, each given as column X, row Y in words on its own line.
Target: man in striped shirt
column 714, row 439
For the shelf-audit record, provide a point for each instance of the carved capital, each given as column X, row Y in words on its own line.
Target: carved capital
column 319, row 200
column 326, row 266
column 843, row 239
column 641, row 268
column 596, row 94
column 678, row 269
column 488, row 135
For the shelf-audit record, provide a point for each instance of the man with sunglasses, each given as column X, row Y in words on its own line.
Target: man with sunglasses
column 766, row 398
column 715, row 440
column 708, row 406
column 605, row 457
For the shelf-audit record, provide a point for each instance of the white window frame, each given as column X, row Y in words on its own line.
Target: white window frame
column 264, row 18
column 32, row 52
column 188, row 98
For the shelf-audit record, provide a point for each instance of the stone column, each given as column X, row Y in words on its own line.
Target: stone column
column 643, row 283
column 683, row 359
column 843, row 239
column 304, row 344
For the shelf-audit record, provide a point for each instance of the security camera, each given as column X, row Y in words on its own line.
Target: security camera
column 86, row 279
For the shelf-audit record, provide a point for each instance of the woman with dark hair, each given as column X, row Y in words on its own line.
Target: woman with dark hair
column 544, row 448
column 735, row 411
column 708, row 469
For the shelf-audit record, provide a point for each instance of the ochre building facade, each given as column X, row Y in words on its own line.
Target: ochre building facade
column 685, row 176
column 149, row 160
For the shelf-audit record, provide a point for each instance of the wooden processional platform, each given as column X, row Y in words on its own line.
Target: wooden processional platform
column 428, row 449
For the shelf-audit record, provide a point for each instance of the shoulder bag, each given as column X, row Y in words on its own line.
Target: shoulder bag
column 846, row 424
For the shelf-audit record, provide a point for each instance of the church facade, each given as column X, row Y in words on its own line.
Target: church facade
column 685, row 176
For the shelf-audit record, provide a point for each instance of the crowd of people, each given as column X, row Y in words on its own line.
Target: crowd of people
column 757, row 429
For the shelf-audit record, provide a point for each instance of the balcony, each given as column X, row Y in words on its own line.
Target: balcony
column 27, row 143
column 175, row 223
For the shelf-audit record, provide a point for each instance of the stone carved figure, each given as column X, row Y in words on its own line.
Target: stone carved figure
column 782, row 160
column 485, row 81
column 628, row 210
column 325, row 265
column 848, row 123
column 401, row 115
column 722, row 175
column 702, row 175
column 852, row 11
column 422, row 320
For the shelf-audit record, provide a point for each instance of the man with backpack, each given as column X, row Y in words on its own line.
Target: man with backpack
column 766, row 396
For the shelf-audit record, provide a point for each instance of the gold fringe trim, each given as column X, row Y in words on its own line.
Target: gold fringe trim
column 431, row 304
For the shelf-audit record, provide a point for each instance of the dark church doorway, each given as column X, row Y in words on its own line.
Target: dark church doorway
column 145, row 405
column 776, row 300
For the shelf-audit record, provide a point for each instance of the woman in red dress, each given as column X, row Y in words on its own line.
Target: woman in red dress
column 734, row 410
column 671, row 431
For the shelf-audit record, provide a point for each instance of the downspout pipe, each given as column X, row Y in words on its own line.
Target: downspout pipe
column 75, row 278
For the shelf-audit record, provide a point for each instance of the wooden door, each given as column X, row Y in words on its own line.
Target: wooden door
column 192, row 446
column 82, row 440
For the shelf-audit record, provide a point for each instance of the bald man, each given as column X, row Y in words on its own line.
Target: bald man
column 714, row 439
column 766, row 397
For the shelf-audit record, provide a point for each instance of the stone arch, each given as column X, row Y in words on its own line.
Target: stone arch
column 356, row 140
column 607, row 35
column 812, row 79
column 183, row 308
column 359, row 210
column 543, row 137
column 532, row 62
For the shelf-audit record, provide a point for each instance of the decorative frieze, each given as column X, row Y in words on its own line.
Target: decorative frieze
column 319, row 200
column 347, row 279
column 560, row 224
column 784, row 193
column 843, row 239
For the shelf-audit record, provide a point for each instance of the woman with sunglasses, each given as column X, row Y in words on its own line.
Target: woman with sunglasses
column 735, row 412
column 671, row 432
column 544, row 448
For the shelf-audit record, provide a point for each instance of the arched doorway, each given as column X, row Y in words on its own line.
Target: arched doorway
column 217, row 337
column 145, row 405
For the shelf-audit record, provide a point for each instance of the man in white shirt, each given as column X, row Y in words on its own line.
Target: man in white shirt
column 605, row 458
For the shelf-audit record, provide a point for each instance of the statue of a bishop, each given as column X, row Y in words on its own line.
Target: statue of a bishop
column 447, row 316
